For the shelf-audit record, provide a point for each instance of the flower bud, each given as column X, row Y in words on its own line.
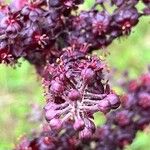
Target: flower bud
column 79, row 124
column 50, row 114
column 144, row 100
column 87, row 74
column 74, row 95
column 90, row 125
column 55, row 124
column 123, row 118
column 85, row 133
column 113, row 100
column 56, row 87
column 49, row 106
column 104, row 106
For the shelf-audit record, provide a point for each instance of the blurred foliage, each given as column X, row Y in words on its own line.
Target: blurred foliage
column 21, row 87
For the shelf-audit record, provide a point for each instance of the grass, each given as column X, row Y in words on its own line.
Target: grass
column 19, row 89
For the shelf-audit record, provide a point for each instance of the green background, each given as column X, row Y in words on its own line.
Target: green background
column 21, row 87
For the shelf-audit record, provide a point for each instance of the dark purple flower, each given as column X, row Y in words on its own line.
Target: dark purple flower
column 33, row 10
column 100, row 23
column 76, row 87
column 11, row 23
column 125, row 19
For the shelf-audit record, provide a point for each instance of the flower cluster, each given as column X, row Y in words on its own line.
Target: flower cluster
column 122, row 124
column 65, row 139
column 38, row 30
column 119, row 130
column 100, row 28
column 76, row 89
column 140, row 103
